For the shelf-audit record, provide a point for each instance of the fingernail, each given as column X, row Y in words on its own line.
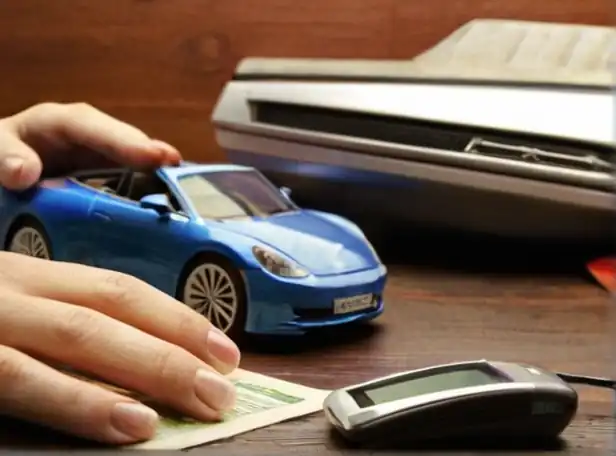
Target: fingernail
column 171, row 153
column 214, row 390
column 134, row 420
column 16, row 175
column 11, row 165
column 223, row 349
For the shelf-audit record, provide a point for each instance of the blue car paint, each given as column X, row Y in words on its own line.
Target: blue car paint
column 88, row 226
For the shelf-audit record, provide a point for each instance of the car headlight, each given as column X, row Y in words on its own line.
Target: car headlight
column 276, row 264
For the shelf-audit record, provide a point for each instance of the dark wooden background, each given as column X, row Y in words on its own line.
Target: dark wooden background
column 161, row 63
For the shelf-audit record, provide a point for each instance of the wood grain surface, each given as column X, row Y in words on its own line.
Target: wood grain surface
column 160, row 64
column 448, row 299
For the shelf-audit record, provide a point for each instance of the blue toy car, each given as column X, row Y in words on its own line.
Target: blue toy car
column 220, row 238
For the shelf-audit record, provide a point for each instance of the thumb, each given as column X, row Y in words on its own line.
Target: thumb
column 20, row 165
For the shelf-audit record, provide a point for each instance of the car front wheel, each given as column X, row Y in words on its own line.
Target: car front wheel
column 30, row 239
column 215, row 289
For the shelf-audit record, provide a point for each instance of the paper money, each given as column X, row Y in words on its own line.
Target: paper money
column 261, row 401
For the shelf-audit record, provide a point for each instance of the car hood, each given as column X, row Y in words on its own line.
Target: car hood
column 316, row 243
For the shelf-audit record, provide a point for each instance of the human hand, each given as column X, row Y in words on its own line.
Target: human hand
column 99, row 322
column 113, row 327
column 51, row 139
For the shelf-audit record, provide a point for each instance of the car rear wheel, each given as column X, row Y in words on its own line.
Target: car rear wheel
column 30, row 239
column 215, row 289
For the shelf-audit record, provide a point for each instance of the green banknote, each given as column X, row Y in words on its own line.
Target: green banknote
column 261, row 401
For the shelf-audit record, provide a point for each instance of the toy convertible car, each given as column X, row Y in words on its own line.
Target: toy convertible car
column 220, row 238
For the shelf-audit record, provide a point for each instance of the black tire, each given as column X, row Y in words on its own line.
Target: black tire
column 33, row 226
column 227, row 271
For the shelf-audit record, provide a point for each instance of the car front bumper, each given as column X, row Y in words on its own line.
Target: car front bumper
column 279, row 306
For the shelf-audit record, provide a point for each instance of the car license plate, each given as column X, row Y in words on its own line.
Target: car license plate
column 353, row 303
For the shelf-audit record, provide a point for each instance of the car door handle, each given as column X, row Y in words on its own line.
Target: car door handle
column 102, row 216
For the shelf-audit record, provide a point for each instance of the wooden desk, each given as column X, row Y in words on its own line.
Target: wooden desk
column 469, row 299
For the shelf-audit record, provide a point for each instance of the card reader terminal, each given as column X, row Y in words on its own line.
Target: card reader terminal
column 460, row 400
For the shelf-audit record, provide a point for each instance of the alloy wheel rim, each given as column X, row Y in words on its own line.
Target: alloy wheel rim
column 29, row 241
column 210, row 291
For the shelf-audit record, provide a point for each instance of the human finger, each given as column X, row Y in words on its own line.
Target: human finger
column 20, row 166
column 80, row 124
column 130, row 300
column 94, row 343
column 35, row 392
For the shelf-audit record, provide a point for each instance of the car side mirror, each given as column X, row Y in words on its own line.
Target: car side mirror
column 157, row 202
column 286, row 191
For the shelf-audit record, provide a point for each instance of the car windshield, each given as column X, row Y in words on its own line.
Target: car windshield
column 233, row 194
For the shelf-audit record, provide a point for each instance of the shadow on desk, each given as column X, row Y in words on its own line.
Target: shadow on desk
column 347, row 335
column 474, row 253
column 15, row 434
column 476, row 445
